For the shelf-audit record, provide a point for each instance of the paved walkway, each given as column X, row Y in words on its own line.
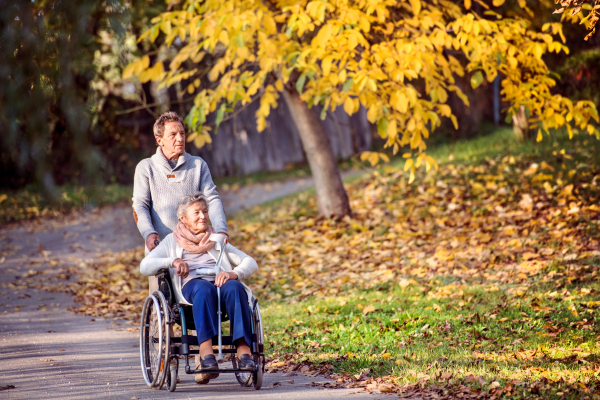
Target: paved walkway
column 47, row 352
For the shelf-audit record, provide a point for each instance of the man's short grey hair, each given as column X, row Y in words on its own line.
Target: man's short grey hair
column 159, row 125
column 187, row 201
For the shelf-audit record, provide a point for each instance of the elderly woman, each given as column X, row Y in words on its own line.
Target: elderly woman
column 188, row 252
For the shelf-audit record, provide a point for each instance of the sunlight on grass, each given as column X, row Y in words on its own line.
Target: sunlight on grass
column 480, row 274
column 422, row 332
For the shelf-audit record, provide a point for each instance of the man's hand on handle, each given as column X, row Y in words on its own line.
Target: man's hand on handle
column 227, row 236
column 182, row 268
column 150, row 241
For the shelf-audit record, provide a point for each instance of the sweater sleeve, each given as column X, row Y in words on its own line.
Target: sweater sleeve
column 216, row 213
column 142, row 199
column 245, row 265
column 157, row 259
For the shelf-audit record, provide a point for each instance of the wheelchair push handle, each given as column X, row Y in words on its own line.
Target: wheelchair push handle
column 217, row 237
column 222, row 240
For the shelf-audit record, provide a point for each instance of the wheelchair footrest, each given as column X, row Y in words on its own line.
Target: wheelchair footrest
column 175, row 349
column 219, row 371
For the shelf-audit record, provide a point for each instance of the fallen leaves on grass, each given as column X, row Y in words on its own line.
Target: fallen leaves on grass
column 483, row 223
column 432, row 387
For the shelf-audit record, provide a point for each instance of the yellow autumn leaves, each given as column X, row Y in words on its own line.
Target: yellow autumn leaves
column 399, row 61
column 575, row 12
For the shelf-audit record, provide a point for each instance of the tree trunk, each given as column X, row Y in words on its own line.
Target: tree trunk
column 332, row 200
column 497, row 101
column 521, row 125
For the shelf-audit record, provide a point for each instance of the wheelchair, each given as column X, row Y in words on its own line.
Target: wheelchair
column 160, row 350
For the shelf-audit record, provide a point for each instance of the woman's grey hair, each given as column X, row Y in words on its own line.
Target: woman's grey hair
column 187, row 201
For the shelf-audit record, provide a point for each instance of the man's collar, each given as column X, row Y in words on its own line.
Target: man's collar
column 164, row 161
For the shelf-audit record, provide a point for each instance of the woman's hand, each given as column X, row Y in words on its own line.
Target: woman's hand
column 182, row 268
column 223, row 277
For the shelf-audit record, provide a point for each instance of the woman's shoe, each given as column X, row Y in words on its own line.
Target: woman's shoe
column 246, row 362
column 203, row 379
column 209, row 362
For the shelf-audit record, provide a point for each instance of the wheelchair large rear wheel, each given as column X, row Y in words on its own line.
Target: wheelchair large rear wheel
column 155, row 340
column 259, row 359
column 257, row 377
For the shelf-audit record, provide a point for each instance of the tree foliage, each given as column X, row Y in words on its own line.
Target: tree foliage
column 61, row 65
column 578, row 7
column 399, row 60
column 46, row 65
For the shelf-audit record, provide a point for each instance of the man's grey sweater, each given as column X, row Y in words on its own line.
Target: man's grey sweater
column 157, row 189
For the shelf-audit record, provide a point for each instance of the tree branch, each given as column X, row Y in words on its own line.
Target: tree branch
column 147, row 106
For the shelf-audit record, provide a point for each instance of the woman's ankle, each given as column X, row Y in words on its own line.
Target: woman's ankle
column 243, row 349
column 206, row 349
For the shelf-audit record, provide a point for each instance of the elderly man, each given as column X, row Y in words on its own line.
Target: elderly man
column 161, row 180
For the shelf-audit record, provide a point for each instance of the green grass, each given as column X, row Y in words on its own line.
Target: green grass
column 540, row 334
column 500, row 141
column 427, row 329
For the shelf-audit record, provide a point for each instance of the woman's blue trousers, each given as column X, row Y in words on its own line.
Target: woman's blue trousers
column 234, row 300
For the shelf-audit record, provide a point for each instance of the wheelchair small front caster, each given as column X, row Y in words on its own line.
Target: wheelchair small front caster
column 172, row 376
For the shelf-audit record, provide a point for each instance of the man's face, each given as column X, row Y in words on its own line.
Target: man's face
column 173, row 140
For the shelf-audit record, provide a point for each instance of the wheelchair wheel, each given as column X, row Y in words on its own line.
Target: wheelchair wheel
column 172, row 375
column 155, row 340
column 244, row 378
column 257, row 377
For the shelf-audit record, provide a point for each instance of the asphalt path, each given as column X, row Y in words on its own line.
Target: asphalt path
column 47, row 352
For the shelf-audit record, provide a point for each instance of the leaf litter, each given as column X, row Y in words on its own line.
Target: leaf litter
column 508, row 226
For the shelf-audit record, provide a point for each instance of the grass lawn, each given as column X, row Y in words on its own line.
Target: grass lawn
column 482, row 275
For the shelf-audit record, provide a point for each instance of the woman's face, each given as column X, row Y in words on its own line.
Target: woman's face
column 196, row 217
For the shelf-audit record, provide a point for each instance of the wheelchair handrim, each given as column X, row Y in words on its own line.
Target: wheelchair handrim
column 146, row 317
column 166, row 345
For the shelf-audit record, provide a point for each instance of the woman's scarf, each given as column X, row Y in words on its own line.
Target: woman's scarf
column 193, row 243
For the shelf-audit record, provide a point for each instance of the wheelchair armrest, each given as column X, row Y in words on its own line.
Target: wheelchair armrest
column 162, row 273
